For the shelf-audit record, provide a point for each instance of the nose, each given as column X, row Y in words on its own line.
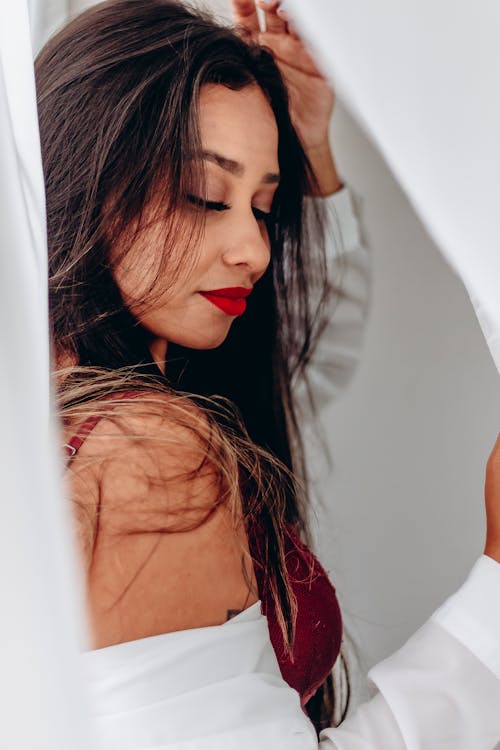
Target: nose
column 248, row 246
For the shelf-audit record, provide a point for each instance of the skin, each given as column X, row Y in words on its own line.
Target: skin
column 151, row 582
column 235, row 249
column 312, row 98
column 492, row 497
column 146, row 584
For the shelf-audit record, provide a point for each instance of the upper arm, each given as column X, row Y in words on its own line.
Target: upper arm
column 162, row 547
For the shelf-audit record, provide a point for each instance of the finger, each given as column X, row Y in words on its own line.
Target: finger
column 275, row 24
column 290, row 28
column 245, row 14
column 290, row 51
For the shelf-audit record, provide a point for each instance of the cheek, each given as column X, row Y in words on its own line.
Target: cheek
column 159, row 277
column 153, row 268
column 137, row 264
column 135, row 276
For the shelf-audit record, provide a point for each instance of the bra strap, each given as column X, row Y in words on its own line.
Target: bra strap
column 73, row 445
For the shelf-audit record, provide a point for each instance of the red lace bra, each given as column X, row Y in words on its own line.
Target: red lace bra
column 319, row 623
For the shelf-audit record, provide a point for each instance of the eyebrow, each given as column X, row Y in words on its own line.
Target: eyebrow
column 235, row 167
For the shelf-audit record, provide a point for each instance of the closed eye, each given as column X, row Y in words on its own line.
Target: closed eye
column 208, row 205
column 218, row 206
column 261, row 215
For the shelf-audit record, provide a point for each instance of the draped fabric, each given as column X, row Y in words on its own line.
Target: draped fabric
column 40, row 635
column 212, row 688
column 423, row 80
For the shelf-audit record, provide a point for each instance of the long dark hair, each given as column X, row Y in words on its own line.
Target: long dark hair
column 118, row 92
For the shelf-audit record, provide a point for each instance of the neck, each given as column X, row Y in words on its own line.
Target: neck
column 158, row 349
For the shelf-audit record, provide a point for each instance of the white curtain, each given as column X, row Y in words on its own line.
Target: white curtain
column 47, row 16
column 423, row 78
column 42, row 702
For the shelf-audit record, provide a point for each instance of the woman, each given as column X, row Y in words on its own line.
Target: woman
column 187, row 295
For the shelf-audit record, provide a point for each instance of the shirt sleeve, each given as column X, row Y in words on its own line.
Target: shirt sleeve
column 442, row 688
column 349, row 273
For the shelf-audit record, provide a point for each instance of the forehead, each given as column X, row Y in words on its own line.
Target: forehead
column 239, row 124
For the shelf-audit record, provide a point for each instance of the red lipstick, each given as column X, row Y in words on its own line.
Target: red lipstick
column 231, row 300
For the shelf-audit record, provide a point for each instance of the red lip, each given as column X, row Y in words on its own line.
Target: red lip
column 231, row 292
column 231, row 300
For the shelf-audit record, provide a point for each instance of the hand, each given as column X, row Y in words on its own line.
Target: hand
column 492, row 497
column 311, row 96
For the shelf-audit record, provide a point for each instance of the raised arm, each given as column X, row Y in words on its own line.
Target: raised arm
column 338, row 350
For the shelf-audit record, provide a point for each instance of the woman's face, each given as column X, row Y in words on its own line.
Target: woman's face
column 240, row 149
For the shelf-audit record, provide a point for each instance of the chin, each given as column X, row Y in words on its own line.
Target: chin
column 203, row 341
column 210, row 343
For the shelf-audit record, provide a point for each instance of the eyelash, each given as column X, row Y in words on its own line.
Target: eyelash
column 218, row 206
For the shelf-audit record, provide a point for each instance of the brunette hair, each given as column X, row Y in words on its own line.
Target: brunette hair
column 118, row 91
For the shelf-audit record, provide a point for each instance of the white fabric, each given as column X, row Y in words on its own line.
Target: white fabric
column 220, row 687
column 45, row 18
column 349, row 267
column 208, row 688
column 439, row 690
column 423, row 78
column 474, row 617
column 42, row 699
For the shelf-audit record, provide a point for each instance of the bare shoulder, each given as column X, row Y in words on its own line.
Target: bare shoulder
column 162, row 546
